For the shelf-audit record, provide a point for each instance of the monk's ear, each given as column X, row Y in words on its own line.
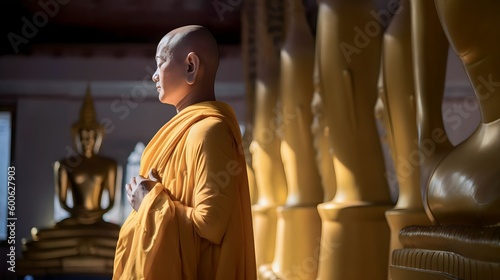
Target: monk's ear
column 193, row 66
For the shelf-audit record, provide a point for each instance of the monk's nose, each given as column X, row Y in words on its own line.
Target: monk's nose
column 155, row 77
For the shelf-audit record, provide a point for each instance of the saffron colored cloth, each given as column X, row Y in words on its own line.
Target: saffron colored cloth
column 196, row 223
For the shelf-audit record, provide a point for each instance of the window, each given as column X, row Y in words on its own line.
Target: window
column 6, row 126
column 133, row 168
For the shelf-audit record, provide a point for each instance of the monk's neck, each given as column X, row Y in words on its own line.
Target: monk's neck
column 194, row 97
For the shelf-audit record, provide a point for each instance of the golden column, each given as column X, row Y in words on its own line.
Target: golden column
column 299, row 224
column 265, row 147
column 355, row 235
column 248, row 46
column 400, row 108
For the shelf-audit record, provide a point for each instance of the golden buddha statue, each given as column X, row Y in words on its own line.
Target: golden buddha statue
column 84, row 242
column 88, row 175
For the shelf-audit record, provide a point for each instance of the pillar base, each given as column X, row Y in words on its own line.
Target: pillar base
column 400, row 218
column 264, row 227
column 297, row 244
column 355, row 241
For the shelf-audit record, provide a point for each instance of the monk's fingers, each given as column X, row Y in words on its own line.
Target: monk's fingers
column 153, row 175
column 133, row 181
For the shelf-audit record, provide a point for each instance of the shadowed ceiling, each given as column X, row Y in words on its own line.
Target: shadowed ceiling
column 113, row 21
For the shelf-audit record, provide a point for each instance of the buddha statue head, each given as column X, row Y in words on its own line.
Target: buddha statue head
column 87, row 133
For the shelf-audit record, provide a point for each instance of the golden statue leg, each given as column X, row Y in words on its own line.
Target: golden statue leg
column 349, row 38
column 400, row 107
column 299, row 225
column 265, row 147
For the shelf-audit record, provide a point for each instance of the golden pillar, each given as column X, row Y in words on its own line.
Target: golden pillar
column 248, row 46
column 398, row 96
column 430, row 49
column 265, row 146
column 321, row 136
column 355, row 235
column 299, row 224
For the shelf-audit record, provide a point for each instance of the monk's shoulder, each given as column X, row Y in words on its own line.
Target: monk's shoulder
column 211, row 128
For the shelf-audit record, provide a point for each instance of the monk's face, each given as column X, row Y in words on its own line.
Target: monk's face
column 170, row 75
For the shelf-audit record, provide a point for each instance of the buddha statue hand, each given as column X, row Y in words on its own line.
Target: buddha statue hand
column 139, row 187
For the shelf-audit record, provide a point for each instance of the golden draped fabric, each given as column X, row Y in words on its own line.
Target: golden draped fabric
column 203, row 230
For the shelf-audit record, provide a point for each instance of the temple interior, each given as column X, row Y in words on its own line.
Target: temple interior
column 371, row 131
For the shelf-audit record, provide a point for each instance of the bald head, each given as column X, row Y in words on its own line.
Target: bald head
column 187, row 59
column 192, row 38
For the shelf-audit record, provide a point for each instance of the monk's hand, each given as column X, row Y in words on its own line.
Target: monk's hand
column 138, row 188
column 153, row 175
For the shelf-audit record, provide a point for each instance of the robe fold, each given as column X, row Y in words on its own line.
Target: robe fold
column 196, row 222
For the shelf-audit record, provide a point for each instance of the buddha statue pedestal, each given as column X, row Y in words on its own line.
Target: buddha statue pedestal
column 355, row 239
column 80, row 249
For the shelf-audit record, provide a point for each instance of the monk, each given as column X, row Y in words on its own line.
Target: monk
column 192, row 216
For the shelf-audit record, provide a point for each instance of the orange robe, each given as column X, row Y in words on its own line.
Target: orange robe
column 203, row 229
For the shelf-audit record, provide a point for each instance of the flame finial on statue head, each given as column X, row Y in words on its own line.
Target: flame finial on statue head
column 87, row 122
column 87, row 114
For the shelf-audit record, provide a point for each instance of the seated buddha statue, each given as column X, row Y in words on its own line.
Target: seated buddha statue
column 84, row 241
